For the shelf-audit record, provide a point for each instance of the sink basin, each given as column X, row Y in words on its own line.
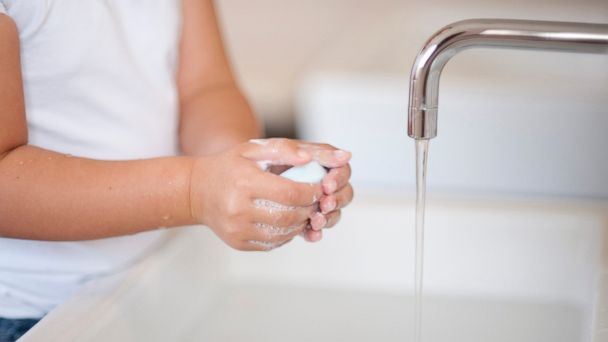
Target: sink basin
column 287, row 313
column 496, row 269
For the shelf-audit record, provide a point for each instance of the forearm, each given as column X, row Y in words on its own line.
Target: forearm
column 216, row 119
column 51, row 196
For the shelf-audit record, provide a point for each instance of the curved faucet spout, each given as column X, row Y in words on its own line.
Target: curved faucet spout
column 524, row 34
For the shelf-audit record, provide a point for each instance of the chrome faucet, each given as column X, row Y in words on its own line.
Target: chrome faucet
column 461, row 35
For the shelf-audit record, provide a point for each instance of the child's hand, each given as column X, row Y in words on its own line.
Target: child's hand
column 255, row 210
column 337, row 191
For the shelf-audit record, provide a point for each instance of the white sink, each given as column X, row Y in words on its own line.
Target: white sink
column 496, row 270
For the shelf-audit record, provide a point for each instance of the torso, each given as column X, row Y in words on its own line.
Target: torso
column 99, row 80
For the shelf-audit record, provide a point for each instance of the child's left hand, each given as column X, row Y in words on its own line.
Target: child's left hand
column 338, row 192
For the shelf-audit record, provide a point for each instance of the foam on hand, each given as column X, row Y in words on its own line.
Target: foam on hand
column 312, row 172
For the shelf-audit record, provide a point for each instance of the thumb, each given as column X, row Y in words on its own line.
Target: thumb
column 276, row 151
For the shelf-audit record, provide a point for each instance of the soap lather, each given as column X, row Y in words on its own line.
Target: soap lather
column 313, row 172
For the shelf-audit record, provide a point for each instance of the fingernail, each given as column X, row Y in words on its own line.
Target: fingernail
column 330, row 205
column 315, row 236
column 331, row 186
column 340, row 154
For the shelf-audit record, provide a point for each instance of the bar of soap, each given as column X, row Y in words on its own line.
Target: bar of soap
column 312, row 172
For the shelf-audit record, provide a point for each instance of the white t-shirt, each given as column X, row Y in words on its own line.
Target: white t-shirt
column 99, row 80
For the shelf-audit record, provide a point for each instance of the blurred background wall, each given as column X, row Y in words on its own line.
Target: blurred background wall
column 510, row 121
column 273, row 43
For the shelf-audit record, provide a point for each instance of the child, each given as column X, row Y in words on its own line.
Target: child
column 96, row 99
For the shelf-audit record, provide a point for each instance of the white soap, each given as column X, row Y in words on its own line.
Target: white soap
column 312, row 172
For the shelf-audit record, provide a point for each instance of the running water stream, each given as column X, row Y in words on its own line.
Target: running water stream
column 422, row 151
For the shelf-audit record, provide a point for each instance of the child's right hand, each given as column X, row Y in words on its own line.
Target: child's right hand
column 248, row 208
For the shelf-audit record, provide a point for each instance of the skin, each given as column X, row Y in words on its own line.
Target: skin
column 48, row 195
column 214, row 113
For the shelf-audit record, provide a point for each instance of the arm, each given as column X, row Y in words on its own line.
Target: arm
column 214, row 113
column 46, row 195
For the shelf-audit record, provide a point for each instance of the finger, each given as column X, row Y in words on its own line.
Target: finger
column 284, row 191
column 327, row 155
column 285, row 242
column 339, row 200
column 273, row 234
column 333, row 218
column 278, row 234
column 282, row 243
column 251, row 245
column 280, row 216
column 312, row 235
column 331, row 158
column 313, row 146
column 336, row 179
column 270, row 244
column 317, row 221
column 328, row 204
column 258, row 245
column 276, row 151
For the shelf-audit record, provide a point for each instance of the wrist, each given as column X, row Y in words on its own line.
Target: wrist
column 180, row 194
column 197, row 181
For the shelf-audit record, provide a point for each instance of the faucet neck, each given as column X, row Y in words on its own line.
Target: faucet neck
column 517, row 34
